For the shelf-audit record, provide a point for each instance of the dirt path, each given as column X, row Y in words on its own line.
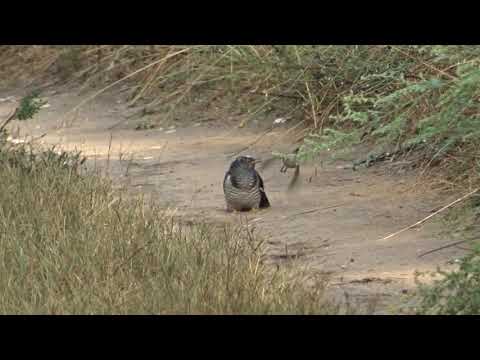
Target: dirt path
column 183, row 167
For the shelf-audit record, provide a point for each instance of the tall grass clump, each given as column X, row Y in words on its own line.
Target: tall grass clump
column 69, row 244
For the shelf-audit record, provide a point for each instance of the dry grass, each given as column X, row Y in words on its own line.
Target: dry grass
column 393, row 94
column 69, row 244
column 258, row 80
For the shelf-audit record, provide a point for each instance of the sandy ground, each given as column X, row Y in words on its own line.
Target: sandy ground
column 332, row 221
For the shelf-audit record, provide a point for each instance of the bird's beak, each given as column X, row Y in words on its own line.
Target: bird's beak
column 257, row 161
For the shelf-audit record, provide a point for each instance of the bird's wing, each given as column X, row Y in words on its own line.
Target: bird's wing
column 264, row 202
column 260, row 182
column 227, row 178
column 266, row 163
column 293, row 182
column 232, row 179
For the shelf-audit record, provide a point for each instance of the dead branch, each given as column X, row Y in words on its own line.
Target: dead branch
column 441, row 248
column 431, row 215
column 10, row 117
column 313, row 210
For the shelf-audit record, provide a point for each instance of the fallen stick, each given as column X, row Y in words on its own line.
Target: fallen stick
column 313, row 210
column 431, row 215
column 301, row 213
column 38, row 137
column 442, row 247
column 10, row 117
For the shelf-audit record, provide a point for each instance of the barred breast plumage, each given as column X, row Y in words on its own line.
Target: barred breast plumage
column 243, row 187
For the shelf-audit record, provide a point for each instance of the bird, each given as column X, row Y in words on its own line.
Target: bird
column 290, row 161
column 243, row 186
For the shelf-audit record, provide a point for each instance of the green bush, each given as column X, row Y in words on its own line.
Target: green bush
column 457, row 292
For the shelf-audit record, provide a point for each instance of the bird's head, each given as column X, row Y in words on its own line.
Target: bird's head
column 245, row 162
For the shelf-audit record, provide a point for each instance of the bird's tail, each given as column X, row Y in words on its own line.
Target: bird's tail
column 264, row 203
column 293, row 182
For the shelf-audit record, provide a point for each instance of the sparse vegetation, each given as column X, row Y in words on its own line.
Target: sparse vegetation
column 391, row 96
column 456, row 292
column 421, row 98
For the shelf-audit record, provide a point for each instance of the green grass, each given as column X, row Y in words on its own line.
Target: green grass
column 70, row 244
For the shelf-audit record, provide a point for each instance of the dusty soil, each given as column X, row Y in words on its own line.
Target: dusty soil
column 332, row 221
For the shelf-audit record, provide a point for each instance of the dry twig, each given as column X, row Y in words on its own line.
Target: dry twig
column 313, row 210
column 431, row 215
column 441, row 248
